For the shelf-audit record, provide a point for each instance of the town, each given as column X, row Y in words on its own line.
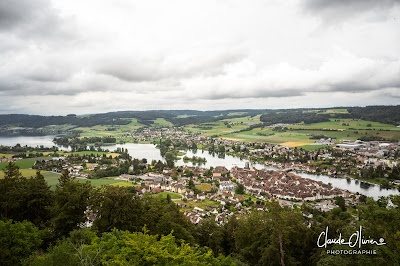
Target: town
column 215, row 192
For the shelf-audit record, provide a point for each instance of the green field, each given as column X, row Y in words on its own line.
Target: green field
column 100, row 182
column 164, row 194
column 312, row 147
column 204, row 187
column 25, row 163
column 51, row 179
column 123, row 184
column 201, row 204
column 245, row 119
column 101, row 130
column 219, row 128
column 271, row 136
column 334, row 111
column 93, row 182
column 298, row 133
column 338, row 124
column 24, row 172
column 161, row 122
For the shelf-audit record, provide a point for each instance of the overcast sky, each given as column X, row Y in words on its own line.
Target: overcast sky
column 91, row 56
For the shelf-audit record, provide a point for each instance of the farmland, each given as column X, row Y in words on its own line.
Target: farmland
column 106, row 181
column 24, row 163
column 164, row 194
column 24, row 172
column 299, row 134
column 235, row 128
column 226, row 126
column 161, row 122
column 201, row 204
column 204, row 187
column 108, row 130
column 52, row 179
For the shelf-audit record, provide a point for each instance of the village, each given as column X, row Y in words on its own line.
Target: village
column 259, row 185
column 343, row 158
column 202, row 192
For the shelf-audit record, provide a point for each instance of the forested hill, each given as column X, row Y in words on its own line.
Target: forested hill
column 37, row 121
column 384, row 114
column 177, row 117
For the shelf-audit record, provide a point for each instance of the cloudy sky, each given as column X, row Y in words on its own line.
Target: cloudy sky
column 74, row 56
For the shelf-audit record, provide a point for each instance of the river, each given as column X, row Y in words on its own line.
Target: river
column 150, row 152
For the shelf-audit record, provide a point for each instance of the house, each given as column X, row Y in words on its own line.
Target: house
column 142, row 190
column 179, row 189
column 156, row 190
column 307, row 214
column 219, row 170
column 227, row 186
column 125, row 177
column 201, row 196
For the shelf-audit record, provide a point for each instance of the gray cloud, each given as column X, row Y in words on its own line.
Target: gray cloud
column 339, row 9
column 153, row 69
column 35, row 20
column 31, row 15
column 14, row 13
column 93, row 54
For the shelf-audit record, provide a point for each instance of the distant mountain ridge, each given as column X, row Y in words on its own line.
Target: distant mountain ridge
column 384, row 114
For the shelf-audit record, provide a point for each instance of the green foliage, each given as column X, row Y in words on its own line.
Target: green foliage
column 293, row 117
column 71, row 202
column 209, row 234
column 257, row 237
column 126, row 248
column 377, row 222
column 11, row 171
column 115, row 207
column 273, row 237
column 25, row 199
column 340, row 202
column 239, row 189
column 64, row 178
column 17, row 241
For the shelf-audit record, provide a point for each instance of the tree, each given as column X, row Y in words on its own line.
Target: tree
column 239, row 189
column 340, row 202
column 209, row 234
column 71, row 203
column 34, row 200
column 169, row 200
column 11, row 171
column 363, row 198
column 191, row 184
column 17, row 241
column 126, row 248
column 275, row 237
column 170, row 158
column 24, row 199
column 115, row 207
column 12, row 176
column 64, row 178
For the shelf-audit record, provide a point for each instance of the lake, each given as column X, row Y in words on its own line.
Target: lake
column 150, row 152
column 33, row 141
